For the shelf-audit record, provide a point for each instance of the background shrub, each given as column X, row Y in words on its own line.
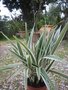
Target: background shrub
column 10, row 28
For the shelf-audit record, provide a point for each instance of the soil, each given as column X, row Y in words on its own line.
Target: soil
column 8, row 82
column 35, row 83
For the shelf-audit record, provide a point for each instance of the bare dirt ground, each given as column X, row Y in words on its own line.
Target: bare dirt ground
column 10, row 81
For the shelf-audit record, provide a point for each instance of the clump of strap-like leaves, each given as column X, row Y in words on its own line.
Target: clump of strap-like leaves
column 38, row 57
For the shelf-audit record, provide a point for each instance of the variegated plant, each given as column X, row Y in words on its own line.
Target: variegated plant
column 38, row 57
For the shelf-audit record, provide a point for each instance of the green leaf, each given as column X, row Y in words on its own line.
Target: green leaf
column 49, row 66
column 46, row 80
column 39, row 47
column 22, row 58
column 59, row 73
column 25, row 77
column 38, row 72
column 19, row 48
column 64, row 30
column 57, row 34
column 53, row 57
column 16, row 72
column 15, row 50
column 27, row 49
column 49, row 41
column 54, row 37
column 26, row 30
column 10, row 66
column 30, row 38
column 9, row 40
column 29, row 61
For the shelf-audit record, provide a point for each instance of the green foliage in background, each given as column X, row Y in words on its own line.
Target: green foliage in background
column 40, row 23
column 10, row 28
column 53, row 15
